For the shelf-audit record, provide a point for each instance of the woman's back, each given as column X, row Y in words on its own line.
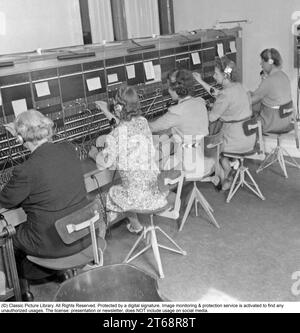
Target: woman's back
column 135, row 146
column 276, row 89
column 233, row 103
column 135, row 162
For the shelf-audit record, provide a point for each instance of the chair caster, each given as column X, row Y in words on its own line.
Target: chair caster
column 27, row 296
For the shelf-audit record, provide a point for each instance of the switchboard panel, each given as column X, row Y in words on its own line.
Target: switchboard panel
column 64, row 85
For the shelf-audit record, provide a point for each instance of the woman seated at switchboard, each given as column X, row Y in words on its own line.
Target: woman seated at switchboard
column 48, row 186
column 129, row 149
column 273, row 91
column 231, row 107
column 188, row 117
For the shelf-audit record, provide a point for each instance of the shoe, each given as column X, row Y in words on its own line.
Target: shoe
column 227, row 183
column 132, row 230
column 217, row 183
column 27, row 296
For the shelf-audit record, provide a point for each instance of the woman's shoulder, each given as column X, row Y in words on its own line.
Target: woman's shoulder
column 140, row 120
column 235, row 89
column 138, row 123
column 281, row 75
column 198, row 99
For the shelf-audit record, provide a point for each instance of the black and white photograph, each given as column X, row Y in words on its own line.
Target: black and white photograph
column 150, row 158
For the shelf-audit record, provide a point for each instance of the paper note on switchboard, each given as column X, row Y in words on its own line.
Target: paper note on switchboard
column 220, row 50
column 42, row 89
column 130, row 71
column 196, row 58
column 149, row 70
column 157, row 72
column 19, row 106
column 111, row 78
column 232, row 46
column 93, row 83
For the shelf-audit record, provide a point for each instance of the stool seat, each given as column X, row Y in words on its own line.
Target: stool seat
column 77, row 259
column 171, row 200
column 149, row 234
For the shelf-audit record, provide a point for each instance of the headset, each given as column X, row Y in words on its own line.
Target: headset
column 20, row 139
column 270, row 60
column 118, row 108
column 178, row 85
column 227, row 72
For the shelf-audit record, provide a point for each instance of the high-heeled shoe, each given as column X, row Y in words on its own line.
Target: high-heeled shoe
column 227, row 184
column 27, row 296
column 133, row 230
column 216, row 180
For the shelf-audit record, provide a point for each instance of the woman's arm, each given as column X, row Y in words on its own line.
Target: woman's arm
column 220, row 106
column 16, row 190
column 262, row 91
column 102, row 105
column 255, row 98
column 164, row 123
column 211, row 90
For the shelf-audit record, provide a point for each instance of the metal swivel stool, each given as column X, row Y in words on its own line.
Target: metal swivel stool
column 250, row 127
column 277, row 154
column 150, row 235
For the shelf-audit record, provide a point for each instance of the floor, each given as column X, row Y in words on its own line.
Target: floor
column 252, row 257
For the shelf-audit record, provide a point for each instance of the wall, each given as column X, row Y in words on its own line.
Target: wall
column 142, row 18
column 26, row 25
column 270, row 26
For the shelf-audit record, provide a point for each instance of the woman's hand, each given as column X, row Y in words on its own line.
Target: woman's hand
column 100, row 142
column 93, row 153
column 102, row 161
column 10, row 128
column 197, row 77
column 102, row 105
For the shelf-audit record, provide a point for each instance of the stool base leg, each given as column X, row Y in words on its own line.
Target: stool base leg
column 151, row 231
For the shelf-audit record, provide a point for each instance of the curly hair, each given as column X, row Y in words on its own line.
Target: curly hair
column 128, row 99
column 228, row 68
column 181, row 81
column 33, row 126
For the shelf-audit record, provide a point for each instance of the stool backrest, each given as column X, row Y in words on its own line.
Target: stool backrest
column 174, row 200
column 286, row 110
column 190, row 153
column 252, row 126
column 82, row 222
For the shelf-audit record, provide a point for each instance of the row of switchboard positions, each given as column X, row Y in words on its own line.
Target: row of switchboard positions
column 65, row 87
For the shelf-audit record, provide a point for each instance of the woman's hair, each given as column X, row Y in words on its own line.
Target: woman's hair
column 181, row 81
column 33, row 126
column 272, row 56
column 128, row 101
column 228, row 68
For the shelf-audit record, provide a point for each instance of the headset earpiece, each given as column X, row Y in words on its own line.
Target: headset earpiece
column 227, row 72
column 118, row 108
column 20, row 139
column 270, row 60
